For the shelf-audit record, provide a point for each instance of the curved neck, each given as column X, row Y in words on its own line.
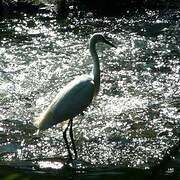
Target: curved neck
column 96, row 67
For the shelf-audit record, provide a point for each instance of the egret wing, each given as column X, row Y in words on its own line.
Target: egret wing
column 69, row 102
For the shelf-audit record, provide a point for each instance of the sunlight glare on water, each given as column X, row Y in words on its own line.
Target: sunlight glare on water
column 132, row 120
column 48, row 164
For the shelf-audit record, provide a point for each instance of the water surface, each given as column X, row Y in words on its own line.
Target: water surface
column 133, row 120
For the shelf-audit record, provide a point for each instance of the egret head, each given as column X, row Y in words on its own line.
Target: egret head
column 98, row 37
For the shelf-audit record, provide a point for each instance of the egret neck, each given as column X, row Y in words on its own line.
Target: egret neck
column 96, row 67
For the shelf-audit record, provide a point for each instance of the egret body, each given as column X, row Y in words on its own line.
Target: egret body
column 75, row 97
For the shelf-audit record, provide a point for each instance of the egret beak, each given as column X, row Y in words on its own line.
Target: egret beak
column 109, row 43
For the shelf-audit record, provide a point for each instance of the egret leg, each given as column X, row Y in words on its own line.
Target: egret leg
column 72, row 138
column 66, row 141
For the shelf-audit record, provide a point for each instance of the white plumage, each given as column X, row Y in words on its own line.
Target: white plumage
column 75, row 97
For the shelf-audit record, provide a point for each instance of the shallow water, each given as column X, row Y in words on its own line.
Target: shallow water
column 133, row 120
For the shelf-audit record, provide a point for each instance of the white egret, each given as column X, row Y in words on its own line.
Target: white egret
column 75, row 97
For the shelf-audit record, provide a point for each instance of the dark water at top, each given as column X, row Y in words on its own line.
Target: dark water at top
column 135, row 117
